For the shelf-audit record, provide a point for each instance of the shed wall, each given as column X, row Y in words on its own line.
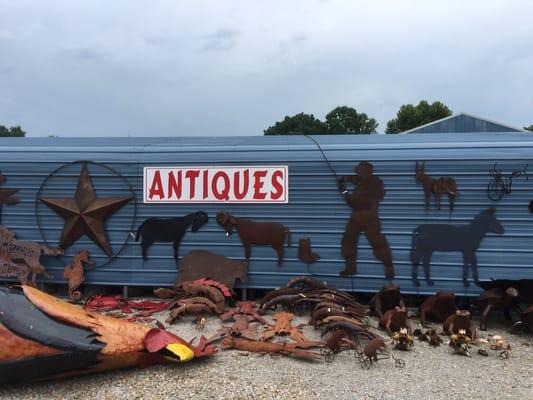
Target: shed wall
column 315, row 210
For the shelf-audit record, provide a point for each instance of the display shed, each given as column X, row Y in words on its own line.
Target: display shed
column 50, row 168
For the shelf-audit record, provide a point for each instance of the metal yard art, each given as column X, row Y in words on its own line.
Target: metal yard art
column 501, row 185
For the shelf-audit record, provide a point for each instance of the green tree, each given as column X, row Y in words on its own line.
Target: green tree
column 529, row 128
column 298, row 124
column 410, row 116
column 346, row 120
column 14, row 131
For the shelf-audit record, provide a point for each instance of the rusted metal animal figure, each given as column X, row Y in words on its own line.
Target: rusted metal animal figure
column 460, row 343
column 402, row 340
column 28, row 252
column 375, row 350
column 278, row 292
column 386, row 299
column 437, row 187
column 181, row 310
column 353, row 330
column 296, row 349
column 461, row 320
column 395, row 320
column 74, row 273
column 240, row 328
column 244, row 308
column 205, row 264
column 434, row 339
column 256, row 233
column 168, row 230
column 437, row 307
column 9, row 269
column 283, row 326
column 495, row 298
column 466, row 239
column 305, row 254
column 364, row 201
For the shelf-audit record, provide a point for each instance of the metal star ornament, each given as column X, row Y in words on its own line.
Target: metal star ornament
column 85, row 213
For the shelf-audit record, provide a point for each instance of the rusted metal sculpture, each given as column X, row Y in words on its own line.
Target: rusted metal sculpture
column 307, row 283
column 395, row 320
column 386, row 299
column 498, row 343
column 523, row 286
column 460, row 342
column 42, row 337
column 75, row 273
column 402, row 340
column 500, row 185
column 28, row 252
column 244, row 308
column 437, row 187
column 496, row 298
column 256, row 233
column 437, row 307
column 461, row 320
column 283, row 326
column 305, row 253
column 85, row 214
column 428, row 238
column 296, row 349
column 240, row 328
column 525, row 322
column 364, row 202
column 10, row 269
column 377, row 350
column 204, row 264
column 193, row 289
column 6, row 196
column 337, row 342
column 168, row 230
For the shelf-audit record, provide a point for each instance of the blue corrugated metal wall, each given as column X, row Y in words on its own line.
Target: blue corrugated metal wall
column 316, row 209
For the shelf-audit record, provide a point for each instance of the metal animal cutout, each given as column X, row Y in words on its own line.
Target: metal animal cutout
column 437, row 187
column 168, row 230
column 75, row 273
column 305, row 253
column 364, row 200
column 428, row 238
column 27, row 252
column 256, row 233
column 205, row 264
column 501, row 185
column 10, row 269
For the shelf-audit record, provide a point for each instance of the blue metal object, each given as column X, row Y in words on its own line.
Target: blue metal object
column 315, row 210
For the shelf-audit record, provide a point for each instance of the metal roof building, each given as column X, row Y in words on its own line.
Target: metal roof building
column 315, row 208
column 463, row 123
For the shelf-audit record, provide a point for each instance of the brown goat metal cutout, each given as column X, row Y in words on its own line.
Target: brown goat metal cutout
column 437, row 187
column 259, row 233
column 364, row 200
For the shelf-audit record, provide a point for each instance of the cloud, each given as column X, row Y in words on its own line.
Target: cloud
column 221, row 40
column 237, row 67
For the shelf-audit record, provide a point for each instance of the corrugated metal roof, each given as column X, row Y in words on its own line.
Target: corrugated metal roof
column 316, row 209
column 462, row 122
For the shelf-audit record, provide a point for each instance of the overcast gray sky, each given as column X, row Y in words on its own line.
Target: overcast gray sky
column 140, row 68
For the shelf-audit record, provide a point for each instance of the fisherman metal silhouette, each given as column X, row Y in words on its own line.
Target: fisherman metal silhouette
column 364, row 201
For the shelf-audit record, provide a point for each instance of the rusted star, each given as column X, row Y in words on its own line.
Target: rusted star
column 85, row 213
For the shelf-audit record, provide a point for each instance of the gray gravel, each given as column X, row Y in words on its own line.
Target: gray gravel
column 430, row 373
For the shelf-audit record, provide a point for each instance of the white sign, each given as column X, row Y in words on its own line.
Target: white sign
column 257, row 184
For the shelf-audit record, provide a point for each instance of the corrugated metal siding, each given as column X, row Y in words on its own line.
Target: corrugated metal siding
column 463, row 123
column 316, row 210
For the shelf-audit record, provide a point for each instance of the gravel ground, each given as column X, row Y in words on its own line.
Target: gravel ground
column 429, row 373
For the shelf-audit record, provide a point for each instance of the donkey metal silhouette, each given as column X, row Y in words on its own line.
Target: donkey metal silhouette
column 428, row 238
